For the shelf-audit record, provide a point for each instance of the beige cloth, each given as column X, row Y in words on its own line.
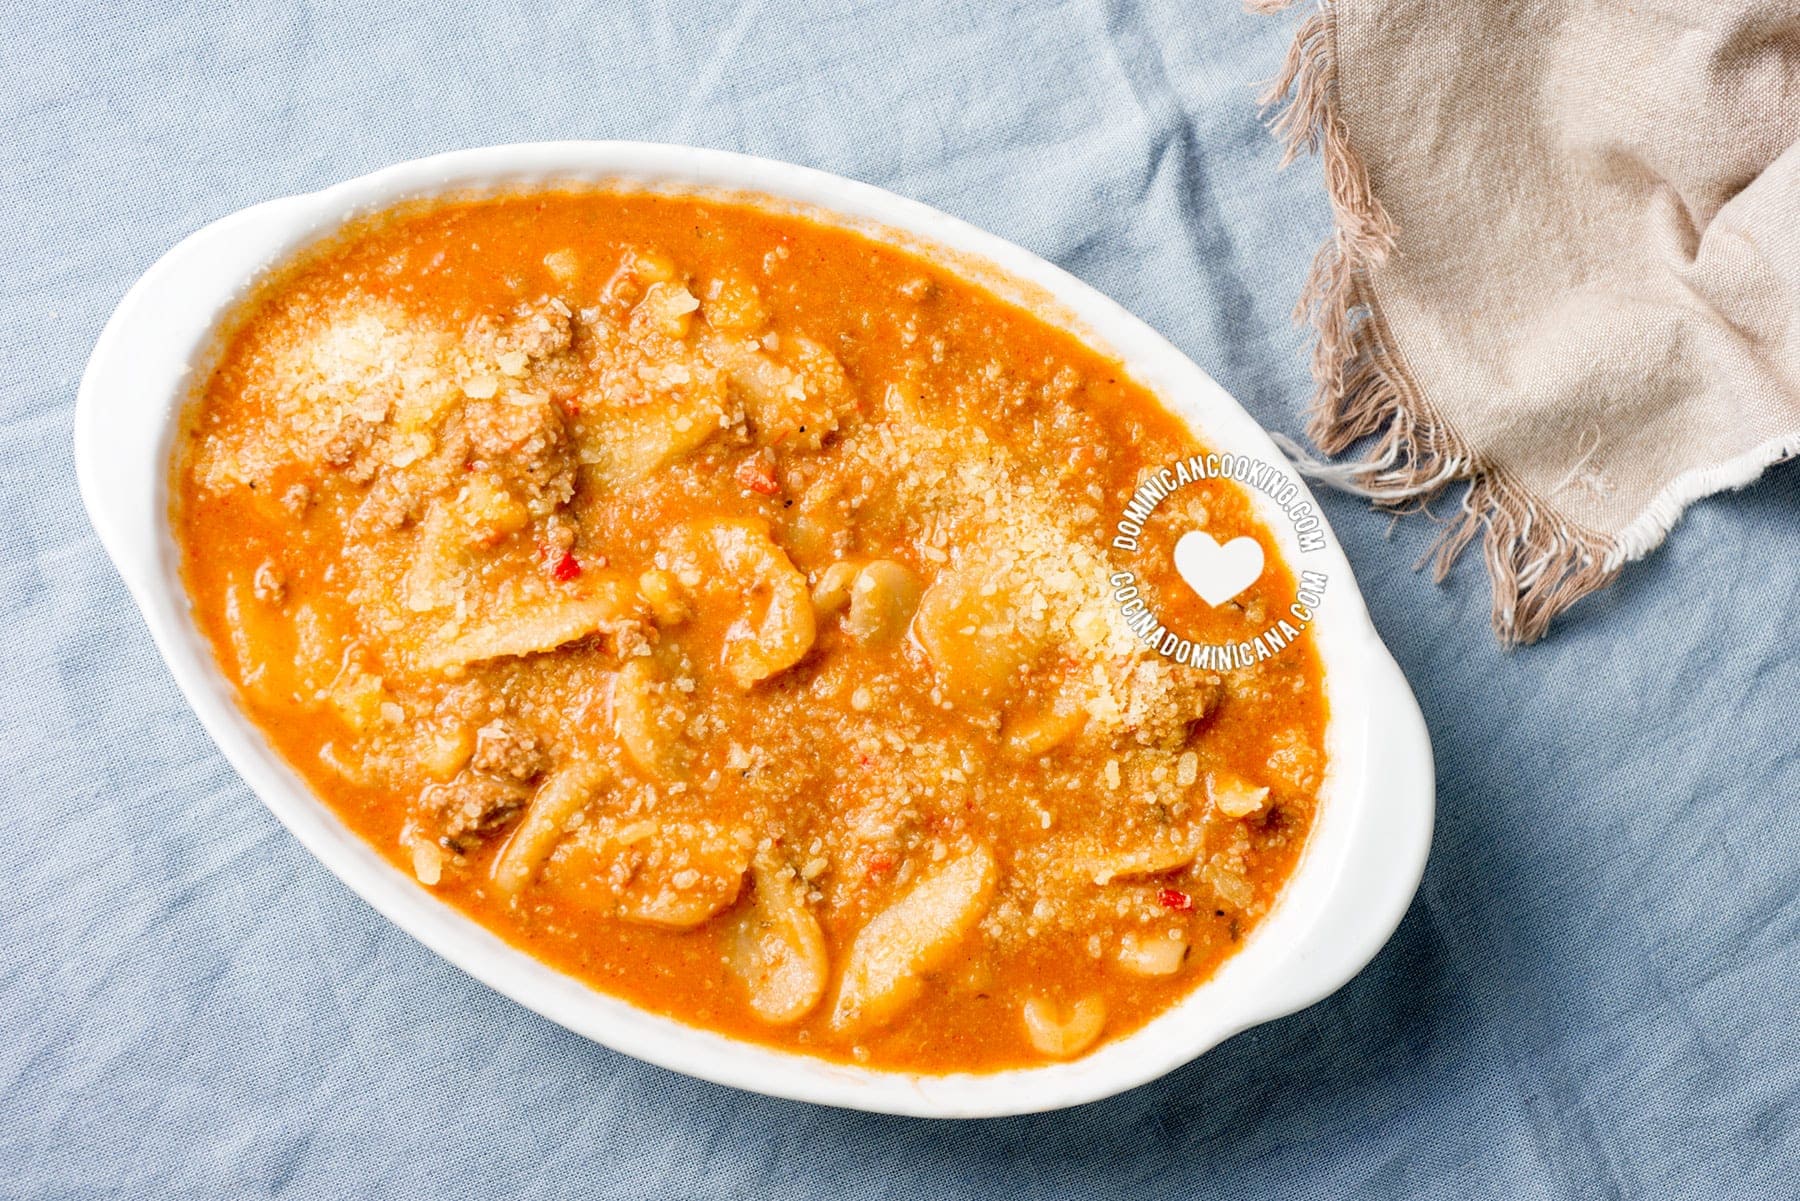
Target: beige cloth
column 1566, row 268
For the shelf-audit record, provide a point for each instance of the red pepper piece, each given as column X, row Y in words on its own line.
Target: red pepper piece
column 757, row 473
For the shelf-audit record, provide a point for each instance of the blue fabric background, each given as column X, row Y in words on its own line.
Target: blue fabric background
column 1595, row 994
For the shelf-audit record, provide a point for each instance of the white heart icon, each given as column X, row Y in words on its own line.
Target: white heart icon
column 1216, row 572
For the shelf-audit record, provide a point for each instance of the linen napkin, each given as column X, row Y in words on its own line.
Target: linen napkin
column 1565, row 270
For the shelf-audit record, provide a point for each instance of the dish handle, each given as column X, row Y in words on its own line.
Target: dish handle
column 1389, row 842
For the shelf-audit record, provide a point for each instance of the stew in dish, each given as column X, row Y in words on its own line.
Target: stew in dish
column 713, row 602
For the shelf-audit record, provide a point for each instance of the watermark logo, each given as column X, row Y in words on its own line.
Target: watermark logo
column 1219, row 573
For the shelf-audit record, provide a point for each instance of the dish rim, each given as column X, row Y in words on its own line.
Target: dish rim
column 1364, row 858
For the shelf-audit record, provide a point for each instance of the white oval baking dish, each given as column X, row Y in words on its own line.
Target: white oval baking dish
column 1355, row 880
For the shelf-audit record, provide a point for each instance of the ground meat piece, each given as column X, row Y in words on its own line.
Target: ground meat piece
column 471, row 807
column 522, row 438
column 400, row 497
column 1165, row 701
column 504, row 750
column 540, row 330
column 389, row 505
column 347, row 444
column 631, row 637
column 537, row 330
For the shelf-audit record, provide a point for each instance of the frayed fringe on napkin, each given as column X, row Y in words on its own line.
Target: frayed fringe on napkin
column 1539, row 562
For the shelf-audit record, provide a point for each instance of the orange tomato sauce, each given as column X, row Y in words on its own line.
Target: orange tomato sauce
column 714, row 603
